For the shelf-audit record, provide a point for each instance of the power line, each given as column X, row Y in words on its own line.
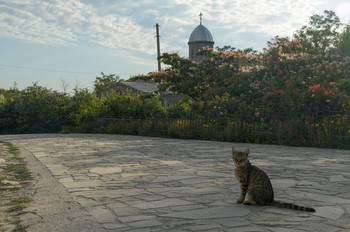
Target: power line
column 53, row 70
column 43, row 69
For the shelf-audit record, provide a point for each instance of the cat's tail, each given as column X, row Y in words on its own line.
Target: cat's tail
column 291, row 206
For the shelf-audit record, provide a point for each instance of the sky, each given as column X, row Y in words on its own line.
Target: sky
column 66, row 44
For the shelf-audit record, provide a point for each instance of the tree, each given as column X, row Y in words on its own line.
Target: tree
column 344, row 42
column 221, row 75
column 321, row 35
column 226, row 48
column 102, row 83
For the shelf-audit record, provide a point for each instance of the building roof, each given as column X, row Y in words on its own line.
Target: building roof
column 145, row 87
column 201, row 33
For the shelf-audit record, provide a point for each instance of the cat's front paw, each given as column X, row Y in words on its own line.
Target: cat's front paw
column 246, row 203
column 240, row 200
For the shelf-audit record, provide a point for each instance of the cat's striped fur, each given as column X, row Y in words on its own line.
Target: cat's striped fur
column 256, row 184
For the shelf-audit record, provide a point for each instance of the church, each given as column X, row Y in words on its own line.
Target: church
column 200, row 37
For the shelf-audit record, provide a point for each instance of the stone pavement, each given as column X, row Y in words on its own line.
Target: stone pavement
column 130, row 183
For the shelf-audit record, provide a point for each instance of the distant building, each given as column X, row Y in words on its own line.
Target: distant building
column 132, row 87
column 143, row 88
column 200, row 37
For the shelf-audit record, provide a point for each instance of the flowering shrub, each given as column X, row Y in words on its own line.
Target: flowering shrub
column 284, row 78
column 297, row 71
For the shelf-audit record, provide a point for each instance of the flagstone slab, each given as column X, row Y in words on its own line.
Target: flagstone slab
column 102, row 214
column 145, row 223
column 215, row 212
column 171, row 178
column 329, row 212
column 283, row 183
column 233, row 222
column 338, row 178
column 322, row 198
column 162, row 203
column 106, row 170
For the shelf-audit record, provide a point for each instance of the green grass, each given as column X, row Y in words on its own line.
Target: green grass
column 20, row 171
column 21, row 200
column 17, row 175
column 15, row 159
column 11, row 148
column 16, row 208
column 20, row 228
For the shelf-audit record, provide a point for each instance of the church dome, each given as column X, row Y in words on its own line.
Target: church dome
column 201, row 33
column 200, row 38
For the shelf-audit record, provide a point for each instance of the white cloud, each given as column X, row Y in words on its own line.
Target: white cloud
column 343, row 9
column 128, row 25
column 265, row 16
column 229, row 19
column 64, row 22
column 22, row 20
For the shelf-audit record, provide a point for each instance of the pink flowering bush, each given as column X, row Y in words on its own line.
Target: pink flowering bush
column 284, row 78
column 297, row 80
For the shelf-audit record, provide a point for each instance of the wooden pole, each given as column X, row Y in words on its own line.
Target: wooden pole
column 158, row 47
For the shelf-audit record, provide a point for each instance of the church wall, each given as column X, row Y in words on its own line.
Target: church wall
column 194, row 47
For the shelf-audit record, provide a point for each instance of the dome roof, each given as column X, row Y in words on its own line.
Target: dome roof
column 201, row 33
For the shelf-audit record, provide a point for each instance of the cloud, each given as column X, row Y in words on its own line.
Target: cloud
column 343, row 9
column 63, row 22
column 129, row 25
column 19, row 19
column 264, row 16
column 228, row 19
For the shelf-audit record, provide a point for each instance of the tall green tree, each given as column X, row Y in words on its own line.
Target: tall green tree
column 344, row 42
column 321, row 35
column 105, row 81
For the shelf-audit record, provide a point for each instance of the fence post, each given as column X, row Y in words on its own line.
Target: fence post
column 191, row 132
column 100, row 125
column 242, row 121
column 315, row 130
column 124, row 124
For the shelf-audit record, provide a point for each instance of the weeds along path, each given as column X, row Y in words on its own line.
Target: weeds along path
column 14, row 175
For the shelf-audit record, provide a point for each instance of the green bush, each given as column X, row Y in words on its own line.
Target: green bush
column 33, row 110
column 37, row 109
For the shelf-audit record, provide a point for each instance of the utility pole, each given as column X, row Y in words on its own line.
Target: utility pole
column 158, row 47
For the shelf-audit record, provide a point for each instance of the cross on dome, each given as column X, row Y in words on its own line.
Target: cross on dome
column 200, row 18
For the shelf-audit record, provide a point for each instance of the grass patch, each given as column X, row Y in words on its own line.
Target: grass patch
column 15, row 159
column 20, row 171
column 14, row 175
column 11, row 148
column 21, row 200
column 16, row 208
column 9, row 188
column 20, row 228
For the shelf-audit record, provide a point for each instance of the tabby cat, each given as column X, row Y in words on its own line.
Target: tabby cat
column 256, row 183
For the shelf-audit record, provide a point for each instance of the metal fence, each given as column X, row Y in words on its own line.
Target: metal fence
column 313, row 128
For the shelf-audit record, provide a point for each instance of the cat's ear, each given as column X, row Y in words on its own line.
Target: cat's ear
column 246, row 152
column 234, row 150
